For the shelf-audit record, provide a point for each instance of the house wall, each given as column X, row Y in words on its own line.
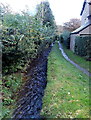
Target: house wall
column 86, row 13
column 84, row 20
column 90, row 29
column 72, row 41
column 89, row 9
column 86, row 31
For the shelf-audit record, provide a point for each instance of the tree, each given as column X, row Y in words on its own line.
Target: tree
column 23, row 38
column 44, row 13
column 59, row 29
column 72, row 25
column 65, row 39
column 4, row 9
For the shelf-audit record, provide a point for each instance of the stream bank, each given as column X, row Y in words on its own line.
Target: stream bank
column 29, row 104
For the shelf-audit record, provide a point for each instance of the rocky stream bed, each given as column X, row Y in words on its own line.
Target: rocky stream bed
column 29, row 104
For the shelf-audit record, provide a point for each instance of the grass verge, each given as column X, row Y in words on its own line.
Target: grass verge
column 78, row 59
column 67, row 91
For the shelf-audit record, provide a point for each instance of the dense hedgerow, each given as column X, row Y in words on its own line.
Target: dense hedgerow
column 23, row 38
column 83, row 46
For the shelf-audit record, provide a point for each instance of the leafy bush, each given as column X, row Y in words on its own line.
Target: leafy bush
column 23, row 38
column 65, row 39
column 83, row 46
column 10, row 85
column 61, row 38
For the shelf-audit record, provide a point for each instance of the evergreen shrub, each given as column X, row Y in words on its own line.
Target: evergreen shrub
column 83, row 46
column 65, row 39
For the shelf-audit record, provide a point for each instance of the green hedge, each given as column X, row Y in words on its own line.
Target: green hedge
column 22, row 40
column 83, row 46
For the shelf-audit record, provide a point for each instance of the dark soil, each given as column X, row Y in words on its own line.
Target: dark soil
column 29, row 103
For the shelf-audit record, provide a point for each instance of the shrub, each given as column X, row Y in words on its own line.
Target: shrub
column 24, row 41
column 65, row 39
column 83, row 46
column 61, row 39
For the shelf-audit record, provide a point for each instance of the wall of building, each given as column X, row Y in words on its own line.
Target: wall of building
column 89, row 9
column 72, row 41
column 86, row 31
column 86, row 13
column 84, row 20
column 90, row 29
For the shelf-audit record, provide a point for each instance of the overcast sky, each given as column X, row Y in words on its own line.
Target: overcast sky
column 63, row 10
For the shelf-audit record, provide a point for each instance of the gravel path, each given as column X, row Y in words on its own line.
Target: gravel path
column 76, row 65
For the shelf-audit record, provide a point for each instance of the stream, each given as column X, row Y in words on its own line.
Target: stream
column 29, row 104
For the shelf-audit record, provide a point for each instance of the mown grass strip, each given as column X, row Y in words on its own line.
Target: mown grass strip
column 67, row 91
column 77, row 59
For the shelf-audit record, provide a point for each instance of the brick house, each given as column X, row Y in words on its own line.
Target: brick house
column 85, row 28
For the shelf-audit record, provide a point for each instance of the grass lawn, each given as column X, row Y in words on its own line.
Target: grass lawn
column 77, row 59
column 67, row 91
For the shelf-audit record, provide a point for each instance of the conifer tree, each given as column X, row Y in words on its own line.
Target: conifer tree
column 44, row 13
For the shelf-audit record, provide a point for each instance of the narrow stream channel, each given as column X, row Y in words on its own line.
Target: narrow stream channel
column 30, row 102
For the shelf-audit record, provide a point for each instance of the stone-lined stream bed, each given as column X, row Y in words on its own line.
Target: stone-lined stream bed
column 29, row 104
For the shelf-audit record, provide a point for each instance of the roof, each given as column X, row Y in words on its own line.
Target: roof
column 85, row 2
column 81, row 28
